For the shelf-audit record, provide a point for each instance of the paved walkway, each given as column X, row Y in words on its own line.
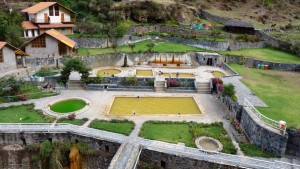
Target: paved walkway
column 243, row 91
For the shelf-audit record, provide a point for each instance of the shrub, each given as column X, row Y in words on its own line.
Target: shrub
column 173, row 83
column 71, row 116
column 228, row 90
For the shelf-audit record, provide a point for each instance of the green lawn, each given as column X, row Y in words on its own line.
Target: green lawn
column 266, row 54
column 255, row 151
column 162, row 46
column 186, row 132
column 78, row 122
column 278, row 89
column 168, row 132
column 68, row 106
column 117, row 126
column 23, row 114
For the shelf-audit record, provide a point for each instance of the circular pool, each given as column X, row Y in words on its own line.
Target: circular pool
column 208, row 143
column 68, row 106
column 108, row 72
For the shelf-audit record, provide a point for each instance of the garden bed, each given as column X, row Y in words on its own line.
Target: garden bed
column 117, row 126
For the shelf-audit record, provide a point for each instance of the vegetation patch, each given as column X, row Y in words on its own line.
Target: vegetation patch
column 186, row 132
column 117, row 126
column 278, row 89
column 255, row 151
column 78, row 122
column 68, row 106
column 23, row 114
column 266, row 54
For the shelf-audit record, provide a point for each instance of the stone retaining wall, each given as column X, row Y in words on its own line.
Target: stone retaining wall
column 251, row 62
column 277, row 43
column 256, row 132
column 154, row 159
column 214, row 45
column 215, row 18
column 21, row 158
column 293, row 146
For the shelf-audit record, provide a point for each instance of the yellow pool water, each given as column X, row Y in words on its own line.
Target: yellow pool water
column 154, row 105
column 218, row 74
column 108, row 72
column 180, row 75
column 144, row 73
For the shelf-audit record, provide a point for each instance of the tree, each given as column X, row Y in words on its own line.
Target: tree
column 150, row 46
column 74, row 64
column 114, row 46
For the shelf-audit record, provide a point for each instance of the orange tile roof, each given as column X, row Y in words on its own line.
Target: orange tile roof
column 2, row 44
column 56, row 25
column 38, row 7
column 60, row 37
column 42, row 5
column 17, row 50
column 29, row 25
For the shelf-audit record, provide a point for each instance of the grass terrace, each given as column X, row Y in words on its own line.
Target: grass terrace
column 160, row 47
column 117, row 126
column 266, row 54
column 186, row 132
column 278, row 89
column 23, row 114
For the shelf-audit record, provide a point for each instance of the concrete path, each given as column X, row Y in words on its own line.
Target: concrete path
column 243, row 91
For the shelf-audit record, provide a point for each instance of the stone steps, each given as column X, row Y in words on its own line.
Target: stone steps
column 203, row 87
column 75, row 85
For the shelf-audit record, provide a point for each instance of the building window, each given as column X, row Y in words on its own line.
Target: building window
column 1, row 55
column 39, row 42
column 51, row 11
column 56, row 7
column 26, row 33
column 32, row 31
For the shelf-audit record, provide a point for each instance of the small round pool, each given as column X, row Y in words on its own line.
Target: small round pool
column 217, row 74
column 108, row 72
column 68, row 106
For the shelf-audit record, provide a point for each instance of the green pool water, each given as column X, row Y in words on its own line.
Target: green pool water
column 68, row 106
column 154, row 105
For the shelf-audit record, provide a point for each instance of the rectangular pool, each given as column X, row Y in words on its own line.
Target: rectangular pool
column 154, row 106
column 144, row 73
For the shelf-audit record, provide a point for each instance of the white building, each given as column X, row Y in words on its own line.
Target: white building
column 45, row 16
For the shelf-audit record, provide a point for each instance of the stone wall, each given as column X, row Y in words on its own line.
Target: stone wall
column 154, row 159
column 105, row 149
column 214, row 45
column 277, row 43
column 9, row 60
column 293, row 146
column 84, row 42
column 259, row 134
column 256, row 131
column 228, row 69
column 251, row 62
column 51, row 49
column 215, row 18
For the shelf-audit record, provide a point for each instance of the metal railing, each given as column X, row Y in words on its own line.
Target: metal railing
column 268, row 121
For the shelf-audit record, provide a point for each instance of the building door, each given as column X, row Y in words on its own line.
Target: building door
column 62, row 17
column 46, row 19
column 62, row 48
column 209, row 61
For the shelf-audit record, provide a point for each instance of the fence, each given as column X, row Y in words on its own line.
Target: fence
column 270, row 122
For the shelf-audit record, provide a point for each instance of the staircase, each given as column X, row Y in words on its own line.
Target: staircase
column 203, row 87
column 75, row 85
column 159, row 86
